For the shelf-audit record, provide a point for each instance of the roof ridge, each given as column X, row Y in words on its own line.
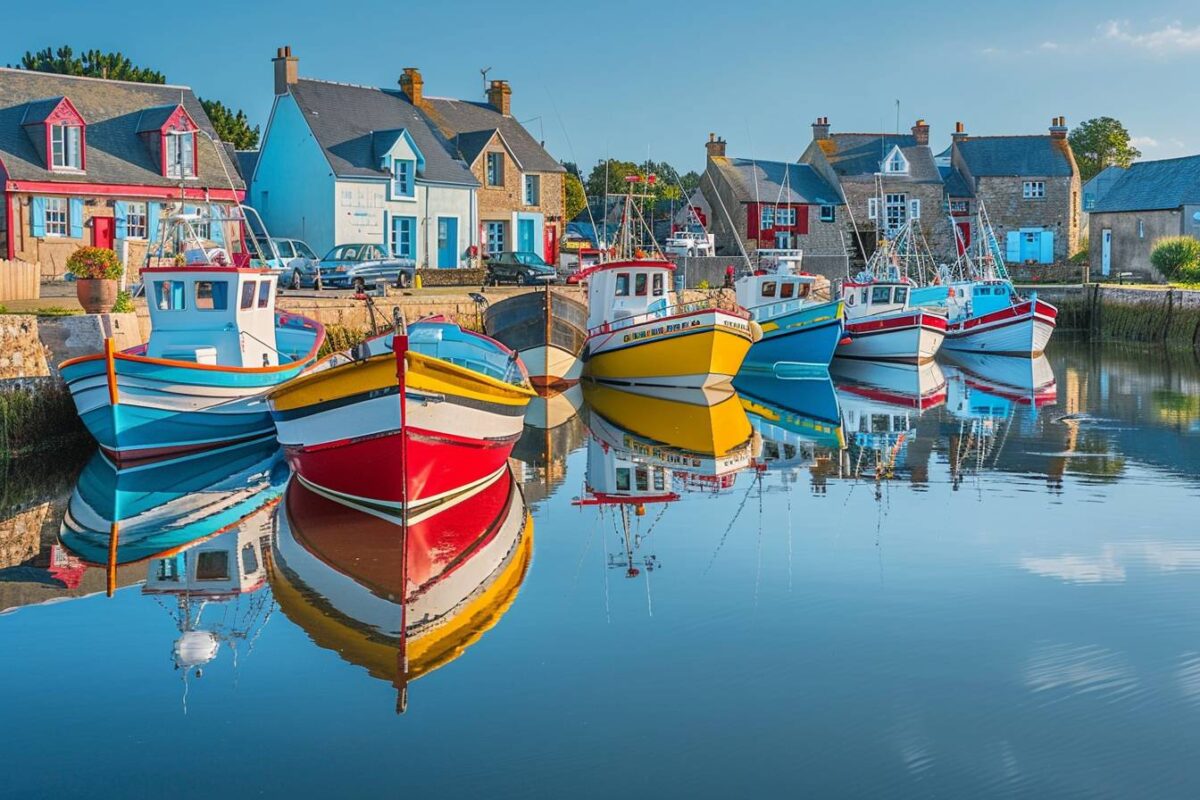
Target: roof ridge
column 345, row 83
column 16, row 70
column 1158, row 161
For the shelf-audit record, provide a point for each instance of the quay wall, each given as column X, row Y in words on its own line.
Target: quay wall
column 1156, row 315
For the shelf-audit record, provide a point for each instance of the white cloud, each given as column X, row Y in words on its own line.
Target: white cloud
column 1049, row 45
column 1076, row 568
column 1143, row 142
column 1172, row 37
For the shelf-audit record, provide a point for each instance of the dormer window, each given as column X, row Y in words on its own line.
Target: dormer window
column 180, row 154
column 896, row 163
column 402, row 177
column 66, row 147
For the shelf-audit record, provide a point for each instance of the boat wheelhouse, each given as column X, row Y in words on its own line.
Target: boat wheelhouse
column 216, row 345
column 797, row 327
column 638, row 334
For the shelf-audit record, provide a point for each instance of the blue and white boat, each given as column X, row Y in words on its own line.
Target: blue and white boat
column 798, row 330
column 217, row 344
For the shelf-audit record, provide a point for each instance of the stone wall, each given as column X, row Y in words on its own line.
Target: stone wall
column 499, row 203
column 452, row 277
column 1133, row 236
column 21, row 352
column 933, row 223
column 1128, row 314
column 1058, row 211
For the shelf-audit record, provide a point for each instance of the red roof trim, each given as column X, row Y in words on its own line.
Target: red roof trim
column 635, row 264
column 128, row 190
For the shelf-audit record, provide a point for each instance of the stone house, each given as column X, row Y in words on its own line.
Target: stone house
column 347, row 164
column 87, row 161
column 884, row 180
column 1094, row 189
column 522, row 188
column 1028, row 185
column 771, row 205
column 1151, row 200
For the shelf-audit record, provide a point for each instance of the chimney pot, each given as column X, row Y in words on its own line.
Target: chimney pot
column 1058, row 128
column 413, row 85
column 287, row 69
column 715, row 146
column 821, row 129
column 499, row 96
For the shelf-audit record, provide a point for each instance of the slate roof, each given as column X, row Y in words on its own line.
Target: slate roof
column 344, row 118
column 956, row 184
column 1000, row 156
column 111, row 109
column 1153, row 186
column 775, row 181
column 858, row 156
column 37, row 110
column 457, row 117
column 247, row 160
column 471, row 144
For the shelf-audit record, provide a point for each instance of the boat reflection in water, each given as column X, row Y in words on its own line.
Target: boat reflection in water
column 401, row 601
column 797, row 423
column 553, row 429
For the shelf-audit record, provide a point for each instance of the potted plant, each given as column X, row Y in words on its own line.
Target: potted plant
column 96, row 270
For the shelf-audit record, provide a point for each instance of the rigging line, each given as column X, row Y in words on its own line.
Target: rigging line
column 583, row 555
column 758, row 546
column 732, row 228
column 604, row 566
column 728, row 528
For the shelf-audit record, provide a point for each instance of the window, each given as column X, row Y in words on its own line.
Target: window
column 872, row 208
column 639, row 284
column 533, row 190
column 786, row 290
column 1033, row 190
column 783, row 240
column 65, row 147
column 212, row 565
column 494, row 236
column 212, row 295
column 203, row 226
column 901, row 295
column 785, row 217
column 136, row 224
column 880, row 294
column 181, row 155
column 168, row 569
column 249, row 560
column 896, row 209
column 660, row 480
column 896, row 163
column 642, row 479
column 56, row 216
column 914, row 209
column 285, row 249
column 403, row 237
column 827, row 214
column 958, row 206
column 768, row 218
column 304, row 251
column 168, row 295
column 657, row 289
column 1141, row 229
column 622, row 284
column 264, row 293
column 402, row 177
column 624, row 481
column 495, row 169
column 768, row 289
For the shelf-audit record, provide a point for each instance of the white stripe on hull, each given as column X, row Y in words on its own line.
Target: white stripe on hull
column 917, row 344
column 601, row 343
column 561, row 364
column 1029, row 336
column 706, row 381
column 92, row 393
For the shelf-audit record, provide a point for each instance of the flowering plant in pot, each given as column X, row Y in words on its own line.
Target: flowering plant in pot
column 96, row 270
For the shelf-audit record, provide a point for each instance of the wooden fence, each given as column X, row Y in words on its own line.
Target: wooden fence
column 20, row 280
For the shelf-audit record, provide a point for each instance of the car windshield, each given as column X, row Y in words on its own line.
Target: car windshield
column 305, row 251
column 532, row 259
column 344, row 252
column 284, row 247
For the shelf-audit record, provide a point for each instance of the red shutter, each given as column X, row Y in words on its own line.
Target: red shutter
column 802, row 219
column 752, row 218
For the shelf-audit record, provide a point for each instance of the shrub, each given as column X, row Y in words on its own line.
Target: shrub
column 1177, row 258
column 702, row 285
column 124, row 304
column 94, row 263
column 1081, row 255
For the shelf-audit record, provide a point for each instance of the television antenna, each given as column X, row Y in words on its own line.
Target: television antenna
column 483, row 72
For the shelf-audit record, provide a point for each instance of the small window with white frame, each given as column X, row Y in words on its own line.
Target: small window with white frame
column 785, row 217
column 56, row 217
column 828, row 214
column 66, row 147
column 767, row 219
column 533, row 190
column 136, row 221
column 896, row 163
column 181, row 155
column 1033, row 190
column 958, row 206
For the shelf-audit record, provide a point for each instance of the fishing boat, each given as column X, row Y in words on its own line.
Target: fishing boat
column 401, row 600
column 882, row 324
column 348, row 436
column 547, row 329
column 217, row 344
column 797, row 328
column 918, row 387
column 986, row 312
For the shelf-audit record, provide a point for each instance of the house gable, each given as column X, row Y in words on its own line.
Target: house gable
column 895, row 163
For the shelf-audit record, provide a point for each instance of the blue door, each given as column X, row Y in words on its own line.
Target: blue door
column 525, row 235
column 447, row 244
column 1031, row 246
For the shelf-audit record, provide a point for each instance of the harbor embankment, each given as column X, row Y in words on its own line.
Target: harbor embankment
column 1143, row 314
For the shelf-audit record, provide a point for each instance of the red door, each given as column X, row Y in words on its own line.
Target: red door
column 964, row 236
column 102, row 232
column 550, row 243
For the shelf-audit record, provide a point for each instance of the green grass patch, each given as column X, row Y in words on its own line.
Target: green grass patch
column 35, row 420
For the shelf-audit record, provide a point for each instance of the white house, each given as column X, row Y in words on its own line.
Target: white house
column 346, row 164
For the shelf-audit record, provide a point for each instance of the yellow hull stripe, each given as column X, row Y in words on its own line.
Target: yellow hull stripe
column 711, row 351
column 708, row 430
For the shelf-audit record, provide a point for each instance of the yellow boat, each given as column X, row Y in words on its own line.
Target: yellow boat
column 635, row 334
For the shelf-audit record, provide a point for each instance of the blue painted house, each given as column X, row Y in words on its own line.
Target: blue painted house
column 346, row 164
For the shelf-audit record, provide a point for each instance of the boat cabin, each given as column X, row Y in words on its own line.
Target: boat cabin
column 766, row 289
column 875, row 297
column 618, row 477
column 976, row 298
column 628, row 289
column 220, row 568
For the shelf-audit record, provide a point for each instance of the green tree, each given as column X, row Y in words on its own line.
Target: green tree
column 91, row 64
column 231, row 126
column 617, row 172
column 576, row 198
column 690, row 181
column 1101, row 143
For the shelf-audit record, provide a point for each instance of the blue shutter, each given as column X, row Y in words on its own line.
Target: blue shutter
column 37, row 221
column 387, row 249
column 1047, row 242
column 153, row 212
column 1012, row 251
column 76, row 216
column 121, row 215
column 216, row 229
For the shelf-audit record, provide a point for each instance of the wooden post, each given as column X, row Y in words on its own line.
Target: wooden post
column 114, row 535
column 110, row 367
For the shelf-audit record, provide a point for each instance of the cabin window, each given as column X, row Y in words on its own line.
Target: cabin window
column 660, row 480
column 168, row 569
column 901, row 294
column 623, row 479
column 786, row 290
column 768, row 289
column 249, row 560
column 862, row 296
column 643, row 480
column 169, row 295
column 880, row 294
column 264, row 293
column 212, row 565
column 639, row 284
column 212, row 295
column 657, row 289
column 622, row 284
column 248, row 294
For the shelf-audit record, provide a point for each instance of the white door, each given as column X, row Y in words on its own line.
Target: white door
column 1106, row 251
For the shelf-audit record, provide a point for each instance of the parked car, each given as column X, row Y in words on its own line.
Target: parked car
column 359, row 266
column 293, row 261
column 522, row 269
column 691, row 242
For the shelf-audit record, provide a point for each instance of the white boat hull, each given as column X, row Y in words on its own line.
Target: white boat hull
column 551, row 364
column 910, row 336
column 1023, row 330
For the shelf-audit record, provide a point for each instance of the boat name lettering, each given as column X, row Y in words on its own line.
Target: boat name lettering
column 661, row 330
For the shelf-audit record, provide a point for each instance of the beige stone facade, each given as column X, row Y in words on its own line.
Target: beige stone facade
column 1133, row 235
column 500, row 202
column 1058, row 211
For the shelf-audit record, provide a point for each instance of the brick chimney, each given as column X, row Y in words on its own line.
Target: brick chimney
column 499, row 97
column 920, row 132
column 714, row 147
column 960, row 132
column 413, row 85
column 287, row 69
column 821, row 129
column 1058, row 128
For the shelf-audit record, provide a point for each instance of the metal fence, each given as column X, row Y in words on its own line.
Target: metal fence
column 710, row 270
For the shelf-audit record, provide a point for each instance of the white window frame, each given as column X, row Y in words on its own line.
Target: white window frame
column 57, row 221
column 785, row 217
column 766, row 218
column 895, row 163
column 181, row 161
column 831, row 216
column 914, row 208
column 534, row 197
column 1033, row 190
column 66, row 147
column 872, row 208
column 895, row 211
column 139, row 229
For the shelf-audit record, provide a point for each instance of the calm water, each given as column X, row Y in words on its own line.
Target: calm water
column 974, row 581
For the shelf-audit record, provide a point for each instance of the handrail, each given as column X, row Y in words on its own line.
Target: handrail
column 662, row 313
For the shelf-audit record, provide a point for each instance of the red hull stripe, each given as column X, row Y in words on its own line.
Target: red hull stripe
column 929, row 321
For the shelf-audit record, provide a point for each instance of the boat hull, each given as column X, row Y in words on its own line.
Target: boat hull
column 696, row 349
column 547, row 329
column 551, row 367
column 909, row 336
column 1023, row 329
column 809, row 336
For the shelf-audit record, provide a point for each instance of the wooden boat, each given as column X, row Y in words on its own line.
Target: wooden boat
column 217, row 345
column 347, row 434
column 547, row 329
column 796, row 327
column 636, row 335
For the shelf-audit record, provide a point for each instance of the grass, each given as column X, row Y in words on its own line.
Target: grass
column 43, row 311
column 35, row 420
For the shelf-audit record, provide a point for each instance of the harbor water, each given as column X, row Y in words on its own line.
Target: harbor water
column 979, row 579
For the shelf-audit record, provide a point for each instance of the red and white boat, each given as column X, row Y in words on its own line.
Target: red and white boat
column 348, row 437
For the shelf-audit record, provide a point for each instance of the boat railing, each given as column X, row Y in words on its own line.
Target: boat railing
column 662, row 312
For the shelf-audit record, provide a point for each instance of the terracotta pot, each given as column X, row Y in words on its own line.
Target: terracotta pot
column 97, row 296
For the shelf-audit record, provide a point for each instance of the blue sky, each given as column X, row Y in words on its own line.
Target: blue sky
column 636, row 78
